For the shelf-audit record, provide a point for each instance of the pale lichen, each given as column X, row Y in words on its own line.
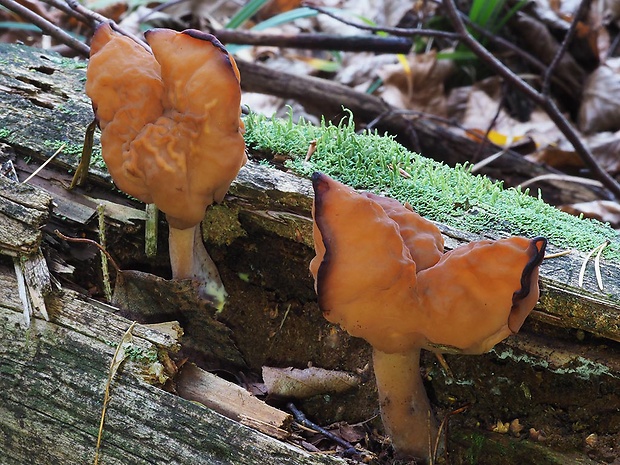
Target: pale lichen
column 561, row 364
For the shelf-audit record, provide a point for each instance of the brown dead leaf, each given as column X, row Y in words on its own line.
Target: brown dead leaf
column 600, row 106
column 557, row 157
column 611, row 11
column 539, row 41
column 606, row 211
column 301, row 384
column 350, row 433
column 481, row 109
column 418, row 86
column 359, row 69
column 605, row 148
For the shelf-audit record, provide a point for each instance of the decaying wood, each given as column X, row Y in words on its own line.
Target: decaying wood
column 231, row 401
column 261, row 238
column 52, row 384
column 23, row 210
column 38, row 280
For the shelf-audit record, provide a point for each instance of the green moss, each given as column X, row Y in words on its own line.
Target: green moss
column 221, row 225
column 140, row 355
column 448, row 195
column 76, row 149
column 69, row 63
column 476, row 445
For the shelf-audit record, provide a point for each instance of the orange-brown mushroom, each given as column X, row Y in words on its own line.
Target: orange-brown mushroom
column 171, row 131
column 380, row 273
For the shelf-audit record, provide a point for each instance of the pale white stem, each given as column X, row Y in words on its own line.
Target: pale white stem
column 181, row 246
column 405, row 409
column 189, row 259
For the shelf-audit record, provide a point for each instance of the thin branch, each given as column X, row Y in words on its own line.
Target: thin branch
column 97, row 19
column 611, row 51
column 503, row 43
column 450, row 122
column 396, row 31
column 490, row 127
column 46, row 26
column 546, row 103
column 509, row 46
column 349, row 450
column 79, row 12
column 581, row 11
column 84, row 240
column 93, row 16
column 62, row 6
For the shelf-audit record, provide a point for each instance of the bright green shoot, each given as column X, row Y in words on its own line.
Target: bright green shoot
column 245, row 13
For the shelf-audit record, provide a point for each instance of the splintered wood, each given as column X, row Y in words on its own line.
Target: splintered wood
column 23, row 210
column 232, row 401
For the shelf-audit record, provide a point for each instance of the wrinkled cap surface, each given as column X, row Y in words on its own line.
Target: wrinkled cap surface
column 170, row 120
column 421, row 237
column 368, row 280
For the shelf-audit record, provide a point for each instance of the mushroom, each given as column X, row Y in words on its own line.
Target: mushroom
column 381, row 274
column 171, row 132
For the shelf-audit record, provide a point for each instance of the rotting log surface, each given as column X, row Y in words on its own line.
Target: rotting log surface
column 23, row 211
column 52, row 377
column 260, row 238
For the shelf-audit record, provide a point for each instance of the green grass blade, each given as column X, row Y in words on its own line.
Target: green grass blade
column 513, row 11
column 14, row 25
column 286, row 17
column 245, row 13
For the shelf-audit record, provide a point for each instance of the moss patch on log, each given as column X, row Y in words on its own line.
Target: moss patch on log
column 453, row 196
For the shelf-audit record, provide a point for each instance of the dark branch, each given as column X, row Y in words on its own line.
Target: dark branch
column 349, row 450
column 368, row 43
column 62, row 6
column 97, row 19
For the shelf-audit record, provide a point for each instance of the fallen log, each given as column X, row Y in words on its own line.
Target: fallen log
column 261, row 240
column 53, row 378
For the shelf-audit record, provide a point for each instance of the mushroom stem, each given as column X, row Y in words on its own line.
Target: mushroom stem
column 405, row 408
column 181, row 245
column 189, row 259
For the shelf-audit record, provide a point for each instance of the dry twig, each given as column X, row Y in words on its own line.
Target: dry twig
column 46, row 26
column 117, row 360
column 396, row 31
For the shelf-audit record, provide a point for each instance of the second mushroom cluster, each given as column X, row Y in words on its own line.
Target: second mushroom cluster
column 381, row 273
